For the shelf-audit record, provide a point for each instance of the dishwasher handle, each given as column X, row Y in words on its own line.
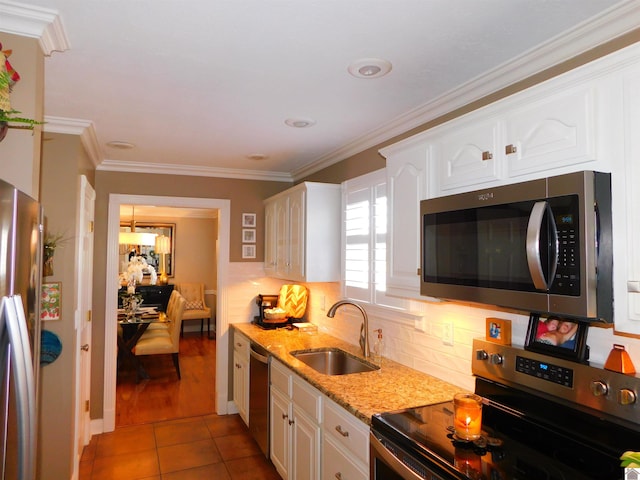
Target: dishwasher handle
column 258, row 355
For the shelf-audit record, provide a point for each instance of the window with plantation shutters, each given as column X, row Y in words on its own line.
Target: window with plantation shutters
column 364, row 236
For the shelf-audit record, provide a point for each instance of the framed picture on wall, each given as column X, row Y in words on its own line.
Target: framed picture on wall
column 50, row 301
column 249, row 220
column 248, row 235
column 248, row 251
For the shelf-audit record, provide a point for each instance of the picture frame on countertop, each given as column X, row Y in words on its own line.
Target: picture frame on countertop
column 558, row 337
column 50, row 301
column 249, row 220
column 248, row 251
column 248, row 235
column 498, row 330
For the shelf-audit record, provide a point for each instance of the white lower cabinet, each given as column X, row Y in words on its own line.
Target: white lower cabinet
column 345, row 444
column 294, row 425
column 241, row 375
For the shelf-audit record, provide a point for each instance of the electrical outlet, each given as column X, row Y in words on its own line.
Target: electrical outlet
column 447, row 333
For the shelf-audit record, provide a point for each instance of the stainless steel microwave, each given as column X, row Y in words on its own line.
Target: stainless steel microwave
column 540, row 246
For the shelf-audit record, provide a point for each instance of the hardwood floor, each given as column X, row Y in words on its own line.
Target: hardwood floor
column 163, row 396
column 166, row 428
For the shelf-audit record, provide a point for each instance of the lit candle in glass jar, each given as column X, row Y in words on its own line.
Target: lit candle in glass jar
column 467, row 418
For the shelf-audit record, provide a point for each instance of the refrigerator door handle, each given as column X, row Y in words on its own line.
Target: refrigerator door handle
column 22, row 371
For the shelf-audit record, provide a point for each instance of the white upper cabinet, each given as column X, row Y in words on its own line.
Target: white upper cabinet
column 407, row 184
column 518, row 138
column 554, row 131
column 468, row 153
column 302, row 233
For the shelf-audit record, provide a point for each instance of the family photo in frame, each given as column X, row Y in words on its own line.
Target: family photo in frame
column 558, row 337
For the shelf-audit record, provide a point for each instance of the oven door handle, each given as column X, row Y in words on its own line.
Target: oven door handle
column 386, row 456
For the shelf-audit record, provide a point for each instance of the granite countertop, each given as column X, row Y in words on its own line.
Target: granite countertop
column 393, row 387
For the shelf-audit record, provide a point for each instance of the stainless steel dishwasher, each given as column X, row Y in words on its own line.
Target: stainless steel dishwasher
column 259, row 396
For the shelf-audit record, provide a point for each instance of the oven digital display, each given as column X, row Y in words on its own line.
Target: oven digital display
column 545, row 371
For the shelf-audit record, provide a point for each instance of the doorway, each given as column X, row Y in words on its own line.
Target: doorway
column 222, row 246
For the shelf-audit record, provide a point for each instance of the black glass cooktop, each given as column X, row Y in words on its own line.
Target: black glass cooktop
column 566, row 446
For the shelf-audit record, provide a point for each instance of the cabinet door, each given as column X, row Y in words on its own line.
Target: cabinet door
column 241, row 385
column 555, row 131
column 279, row 431
column 297, row 205
column 468, row 153
column 305, row 442
column 406, row 186
column 338, row 463
column 270, row 238
column 626, row 222
column 282, row 236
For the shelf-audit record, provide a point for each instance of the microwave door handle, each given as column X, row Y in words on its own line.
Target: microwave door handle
column 534, row 260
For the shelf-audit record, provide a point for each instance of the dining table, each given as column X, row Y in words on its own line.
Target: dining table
column 132, row 328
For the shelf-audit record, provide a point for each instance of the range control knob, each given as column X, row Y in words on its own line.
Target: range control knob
column 481, row 355
column 496, row 359
column 599, row 388
column 626, row 397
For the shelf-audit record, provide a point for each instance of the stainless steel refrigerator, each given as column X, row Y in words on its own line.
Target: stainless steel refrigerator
column 20, row 282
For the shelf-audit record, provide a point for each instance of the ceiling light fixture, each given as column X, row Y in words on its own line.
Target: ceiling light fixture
column 257, row 156
column 121, row 145
column 300, row 122
column 136, row 238
column 369, row 68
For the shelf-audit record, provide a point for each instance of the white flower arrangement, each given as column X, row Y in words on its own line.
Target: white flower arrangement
column 135, row 271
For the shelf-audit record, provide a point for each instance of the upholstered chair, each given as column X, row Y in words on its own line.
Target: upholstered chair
column 164, row 343
column 196, row 308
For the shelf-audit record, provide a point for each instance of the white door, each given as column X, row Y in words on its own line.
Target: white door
column 84, row 249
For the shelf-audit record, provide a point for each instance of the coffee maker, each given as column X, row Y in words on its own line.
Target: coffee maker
column 264, row 302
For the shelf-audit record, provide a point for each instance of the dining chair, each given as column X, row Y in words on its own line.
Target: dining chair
column 196, row 308
column 163, row 343
column 162, row 326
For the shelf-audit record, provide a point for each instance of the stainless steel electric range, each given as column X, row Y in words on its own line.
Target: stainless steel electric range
column 543, row 418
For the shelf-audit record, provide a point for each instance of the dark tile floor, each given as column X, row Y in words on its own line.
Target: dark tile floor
column 205, row 447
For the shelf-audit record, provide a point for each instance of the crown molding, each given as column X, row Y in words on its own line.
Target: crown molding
column 618, row 20
column 35, row 22
column 83, row 128
column 191, row 170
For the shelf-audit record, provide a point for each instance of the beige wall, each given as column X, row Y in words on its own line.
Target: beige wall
column 20, row 150
column 63, row 160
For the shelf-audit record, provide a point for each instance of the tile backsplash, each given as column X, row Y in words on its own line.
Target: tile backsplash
column 421, row 342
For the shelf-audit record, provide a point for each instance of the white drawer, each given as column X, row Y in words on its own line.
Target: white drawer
column 280, row 377
column 347, row 430
column 241, row 344
column 337, row 464
column 307, row 398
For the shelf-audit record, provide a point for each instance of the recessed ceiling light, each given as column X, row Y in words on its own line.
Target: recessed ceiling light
column 121, row 145
column 257, row 156
column 369, row 68
column 300, row 122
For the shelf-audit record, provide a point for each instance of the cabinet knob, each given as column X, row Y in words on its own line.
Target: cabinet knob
column 419, row 273
column 487, row 155
column 338, row 476
column 285, row 416
column 344, row 433
column 291, row 422
column 509, row 149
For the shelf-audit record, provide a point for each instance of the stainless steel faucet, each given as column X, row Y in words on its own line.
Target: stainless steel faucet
column 364, row 327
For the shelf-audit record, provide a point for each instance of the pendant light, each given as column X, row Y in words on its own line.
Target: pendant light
column 136, row 238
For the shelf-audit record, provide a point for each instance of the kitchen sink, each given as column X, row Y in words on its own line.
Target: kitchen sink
column 333, row 361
